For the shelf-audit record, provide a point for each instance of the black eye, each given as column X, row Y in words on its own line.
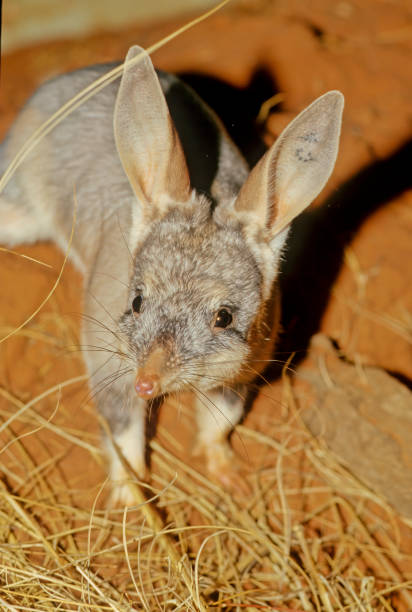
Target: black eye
column 223, row 318
column 137, row 304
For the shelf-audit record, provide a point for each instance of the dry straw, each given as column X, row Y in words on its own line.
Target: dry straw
column 309, row 537
column 190, row 546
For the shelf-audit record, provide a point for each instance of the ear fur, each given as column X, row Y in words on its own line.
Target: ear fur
column 146, row 139
column 295, row 169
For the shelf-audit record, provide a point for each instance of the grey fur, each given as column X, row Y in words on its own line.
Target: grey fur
column 187, row 259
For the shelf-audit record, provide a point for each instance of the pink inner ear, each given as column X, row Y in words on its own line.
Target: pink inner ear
column 257, row 195
column 147, row 142
column 296, row 168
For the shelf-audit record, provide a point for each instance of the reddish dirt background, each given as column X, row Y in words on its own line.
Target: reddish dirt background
column 362, row 48
column 355, row 284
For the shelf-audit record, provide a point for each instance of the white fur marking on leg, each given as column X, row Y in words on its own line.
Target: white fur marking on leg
column 218, row 416
column 131, row 443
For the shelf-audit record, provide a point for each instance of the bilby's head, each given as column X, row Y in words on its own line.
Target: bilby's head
column 202, row 274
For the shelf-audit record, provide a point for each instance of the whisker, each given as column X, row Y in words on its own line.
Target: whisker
column 150, row 409
column 204, row 400
column 221, row 380
column 106, row 382
column 281, row 362
column 232, row 425
column 102, row 349
column 103, row 307
column 257, row 374
column 223, row 383
column 93, row 374
column 113, row 278
column 190, row 369
column 101, row 324
column 119, row 337
column 124, row 240
column 207, row 398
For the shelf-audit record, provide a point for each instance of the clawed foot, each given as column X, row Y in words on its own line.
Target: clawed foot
column 124, row 494
column 126, row 484
column 222, row 467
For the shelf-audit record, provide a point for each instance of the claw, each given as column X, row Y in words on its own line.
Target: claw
column 222, row 467
column 123, row 494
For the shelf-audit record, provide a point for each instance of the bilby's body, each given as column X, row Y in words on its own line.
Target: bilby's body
column 179, row 247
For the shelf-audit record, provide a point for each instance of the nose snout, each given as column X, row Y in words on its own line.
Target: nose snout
column 147, row 386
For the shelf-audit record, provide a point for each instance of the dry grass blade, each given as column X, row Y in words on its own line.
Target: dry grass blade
column 88, row 92
column 154, row 521
column 25, row 407
column 55, row 285
column 202, row 550
column 41, row 263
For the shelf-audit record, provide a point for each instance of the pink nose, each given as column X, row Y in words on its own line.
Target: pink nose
column 147, row 386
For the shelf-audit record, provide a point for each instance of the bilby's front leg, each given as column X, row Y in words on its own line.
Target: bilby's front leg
column 217, row 413
column 126, row 419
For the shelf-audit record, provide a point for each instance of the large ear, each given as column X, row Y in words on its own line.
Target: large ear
column 146, row 139
column 295, row 169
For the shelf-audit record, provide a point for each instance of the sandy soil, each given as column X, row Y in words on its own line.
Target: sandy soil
column 348, row 275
